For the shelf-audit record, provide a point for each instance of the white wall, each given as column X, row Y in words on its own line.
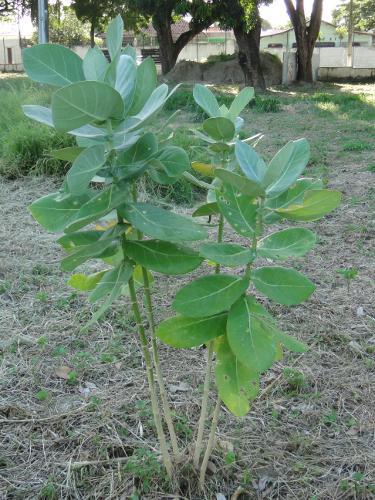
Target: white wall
column 336, row 57
column 200, row 51
column 14, row 46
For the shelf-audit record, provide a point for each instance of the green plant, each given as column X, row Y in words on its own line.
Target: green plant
column 109, row 109
column 216, row 310
column 42, row 395
column 348, row 274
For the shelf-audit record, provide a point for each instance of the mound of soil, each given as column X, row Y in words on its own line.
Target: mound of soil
column 224, row 71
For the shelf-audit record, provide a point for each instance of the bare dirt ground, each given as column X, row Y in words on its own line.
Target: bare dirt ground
column 310, row 434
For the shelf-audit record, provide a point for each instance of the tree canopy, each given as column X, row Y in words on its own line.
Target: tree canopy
column 363, row 14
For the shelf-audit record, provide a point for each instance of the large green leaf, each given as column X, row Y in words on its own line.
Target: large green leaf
column 292, row 196
column 246, row 186
column 145, row 84
column 250, row 162
column 71, row 241
column 285, row 167
column 184, row 332
column 162, row 224
column 126, row 77
column 86, row 252
column 52, row 64
column 121, row 276
column 209, row 295
column 175, row 160
column 240, row 102
column 55, row 211
column 114, row 36
column 84, row 167
column 67, row 154
column 219, row 128
column 83, row 103
column 162, row 256
column 237, row 384
column 227, row 254
column 315, row 205
column 292, row 242
column 289, row 342
column 206, row 100
column 285, row 286
column 84, row 282
column 110, row 280
column 250, row 340
column 39, row 114
column 98, row 206
column 239, row 211
column 140, row 152
column 129, row 50
column 94, row 64
column 206, row 210
column 152, row 105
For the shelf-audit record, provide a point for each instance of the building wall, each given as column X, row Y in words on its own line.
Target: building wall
column 199, row 52
column 327, row 34
column 10, row 54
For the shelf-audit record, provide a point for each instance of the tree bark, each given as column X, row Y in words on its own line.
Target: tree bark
column 92, row 34
column 249, row 54
column 168, row 48
column 306, row 36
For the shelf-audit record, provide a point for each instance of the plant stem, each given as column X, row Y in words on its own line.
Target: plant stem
column 207, row 379
column 220, row 232
column 210, row 444
column 202, row 418
column 155, row 354
column 151, row 381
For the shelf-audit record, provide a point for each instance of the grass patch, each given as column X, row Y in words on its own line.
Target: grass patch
column 357, row 145
column 183, row 100
column 24, row 145
column 354, row 105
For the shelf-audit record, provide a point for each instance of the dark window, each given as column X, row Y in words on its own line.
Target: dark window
column 275, row 45
column 10, row 55
column 325, row 44
column 294, row 46
column 356, row 44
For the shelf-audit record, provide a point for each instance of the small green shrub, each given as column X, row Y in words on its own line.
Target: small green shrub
column 220, row 58
column 265, row 104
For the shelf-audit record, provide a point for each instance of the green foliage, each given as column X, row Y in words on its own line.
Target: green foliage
column 220, row 58
column 117, row 147
column 363, row 14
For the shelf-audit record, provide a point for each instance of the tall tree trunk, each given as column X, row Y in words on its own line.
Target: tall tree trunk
column 249, row 54
column 163, row 30
column 168, row 48
column 92, row 34
column 306, row 36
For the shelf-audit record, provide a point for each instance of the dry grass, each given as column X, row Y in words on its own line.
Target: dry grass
column 308, row 436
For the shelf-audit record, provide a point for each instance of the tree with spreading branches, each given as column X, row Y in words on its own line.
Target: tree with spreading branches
column 163, row 14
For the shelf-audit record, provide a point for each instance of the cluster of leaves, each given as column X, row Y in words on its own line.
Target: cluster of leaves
column 106, row 107
column 363, row 14
column 247, row 194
